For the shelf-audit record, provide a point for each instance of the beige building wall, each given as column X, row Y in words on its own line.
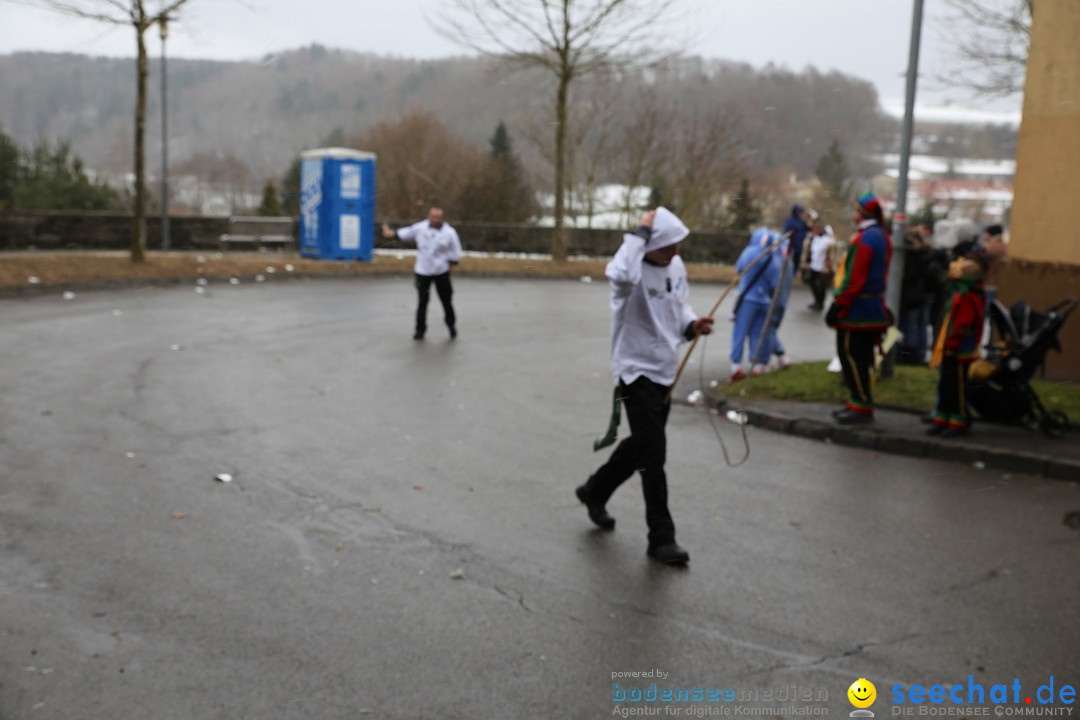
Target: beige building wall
column 1047, row 191
column 1044, row 232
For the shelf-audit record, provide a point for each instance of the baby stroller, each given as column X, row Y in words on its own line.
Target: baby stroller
column 1000, row 386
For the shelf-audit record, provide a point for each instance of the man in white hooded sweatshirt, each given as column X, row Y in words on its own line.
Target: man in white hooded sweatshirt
column 649, row 320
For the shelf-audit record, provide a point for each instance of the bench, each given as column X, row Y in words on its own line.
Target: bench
column 260, row 232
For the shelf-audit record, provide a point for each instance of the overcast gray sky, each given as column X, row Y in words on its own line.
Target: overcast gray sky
column 864, row 38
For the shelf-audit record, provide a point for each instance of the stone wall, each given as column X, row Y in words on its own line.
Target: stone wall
column 98, row 231
column 102, row 231
column 700, row 247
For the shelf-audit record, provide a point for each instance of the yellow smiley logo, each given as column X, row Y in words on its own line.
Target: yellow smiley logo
column 862, row 693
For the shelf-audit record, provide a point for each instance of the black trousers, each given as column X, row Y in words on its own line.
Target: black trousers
column 951, row 409
column 445, row 291
column 819, row 284
column 856, row 351
column 644, row 450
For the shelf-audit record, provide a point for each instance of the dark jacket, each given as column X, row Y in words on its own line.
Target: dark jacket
column 916, row 288
column 798, row 229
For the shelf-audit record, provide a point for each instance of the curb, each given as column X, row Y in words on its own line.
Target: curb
column 1011, row 461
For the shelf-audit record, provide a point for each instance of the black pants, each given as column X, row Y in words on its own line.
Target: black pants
column 445, row 291
column 819, row 284
column 644, row 450
column 856, row 351
column 951, row 408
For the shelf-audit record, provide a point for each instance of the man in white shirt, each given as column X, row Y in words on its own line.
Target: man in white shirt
column 438, row 248
column 817, row 262
column 649, row 320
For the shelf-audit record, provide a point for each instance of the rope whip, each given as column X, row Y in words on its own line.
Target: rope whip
column 734, row 283
column 754, row 357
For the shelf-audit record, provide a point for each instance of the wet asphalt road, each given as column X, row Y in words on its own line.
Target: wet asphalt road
column 370, row 468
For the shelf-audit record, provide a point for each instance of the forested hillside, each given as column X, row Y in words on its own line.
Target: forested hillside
column 260, row 114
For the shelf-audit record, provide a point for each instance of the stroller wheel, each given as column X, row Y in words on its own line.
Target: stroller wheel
column 1055, row 424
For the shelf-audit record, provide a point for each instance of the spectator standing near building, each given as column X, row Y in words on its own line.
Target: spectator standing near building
column 438, row 248
column 957, row 344
column 937, row 276
column 858, row 313
column 993, row 243
column 916, row 298
column 968, row 239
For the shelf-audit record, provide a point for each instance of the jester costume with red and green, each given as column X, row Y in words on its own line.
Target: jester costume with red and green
column 860, row 315
column 957, row 346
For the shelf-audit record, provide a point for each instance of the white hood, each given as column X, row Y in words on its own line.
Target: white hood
column 667, row 229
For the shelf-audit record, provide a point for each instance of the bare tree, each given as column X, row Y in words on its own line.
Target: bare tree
column 642, row 144
column 992, row 56
column 569, row 39
column 698, row 162
column 591, row 135
column 421, row 163
column 140, row 15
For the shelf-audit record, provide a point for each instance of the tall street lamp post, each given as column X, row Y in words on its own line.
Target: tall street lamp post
column 163, row 26
column 900, row 219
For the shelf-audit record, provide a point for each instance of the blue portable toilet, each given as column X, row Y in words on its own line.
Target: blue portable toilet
column 337, row 204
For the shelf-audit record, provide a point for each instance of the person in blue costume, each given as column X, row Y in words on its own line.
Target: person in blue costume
column 759, row 280
column 796, row 228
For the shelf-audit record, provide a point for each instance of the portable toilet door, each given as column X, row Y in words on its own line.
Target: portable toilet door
column 337, row 204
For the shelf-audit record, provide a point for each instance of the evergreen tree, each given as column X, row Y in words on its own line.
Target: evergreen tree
column 55, row 179
column 656, row 194
column 743, row 213
column 515, row 200
column 499, row 191
column 270, row 206
column 834, row 172
column 9, row 170
column 290, row 189
column 925, row 214
column 501, row 145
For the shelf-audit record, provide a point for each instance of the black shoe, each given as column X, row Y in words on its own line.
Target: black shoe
column 670, row 554
column 839, row 411
column 418, row 336
column 850, row 417
column 951, row 432
column 597, row 513
column 935, row 430
column 453, row 332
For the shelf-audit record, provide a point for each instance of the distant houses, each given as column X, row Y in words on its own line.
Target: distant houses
column 943, row 176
